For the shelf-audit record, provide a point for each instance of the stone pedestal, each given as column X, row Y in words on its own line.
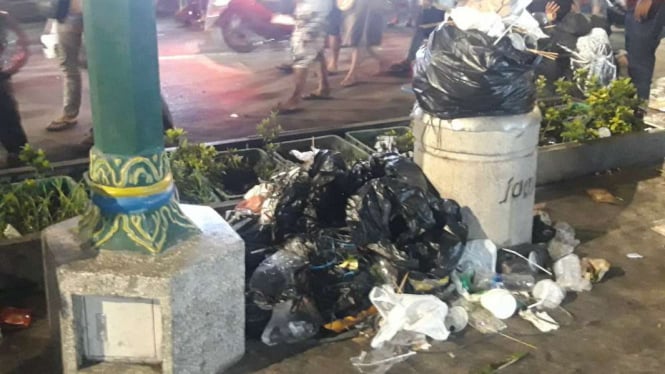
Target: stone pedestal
column 178, row 312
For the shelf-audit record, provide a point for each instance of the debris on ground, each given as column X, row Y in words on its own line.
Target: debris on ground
column 371, row 247
column 602, row 196
column 498, row 366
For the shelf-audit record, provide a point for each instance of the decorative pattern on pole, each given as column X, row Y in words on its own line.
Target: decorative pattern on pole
column 134, row 201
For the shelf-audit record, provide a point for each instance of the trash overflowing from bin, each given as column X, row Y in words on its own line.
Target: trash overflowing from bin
column 335, row 246
column 332, row 248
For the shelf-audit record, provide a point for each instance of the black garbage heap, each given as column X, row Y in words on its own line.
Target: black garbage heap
column 336, row 231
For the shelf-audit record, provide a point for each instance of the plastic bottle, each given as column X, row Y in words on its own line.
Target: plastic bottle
column 485, row 322
column 479, row 255
column 512, row 281
column 568, row 274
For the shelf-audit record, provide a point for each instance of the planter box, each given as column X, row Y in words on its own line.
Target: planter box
column 22, row 257
column 253, row 157
column 570, row 160
column 349, row 151
column 366, row 139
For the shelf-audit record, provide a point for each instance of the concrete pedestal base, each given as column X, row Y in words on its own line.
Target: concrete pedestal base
column 180, row 312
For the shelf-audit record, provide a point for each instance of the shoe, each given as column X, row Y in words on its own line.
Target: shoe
column 61, row 123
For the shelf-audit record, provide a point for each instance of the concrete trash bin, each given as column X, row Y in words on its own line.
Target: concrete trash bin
column 488, row 165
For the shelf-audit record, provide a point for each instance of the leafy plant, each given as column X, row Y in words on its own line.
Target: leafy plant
column 33, row 204
column 269, row 129
column 191, row 166
column 404, row 142
column 613, row 107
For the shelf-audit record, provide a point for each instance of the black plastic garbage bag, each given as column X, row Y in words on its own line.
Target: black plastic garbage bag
column 280, row 277
column 290, row 215
column 388, row 209
column 465, row 74
column 328, row 193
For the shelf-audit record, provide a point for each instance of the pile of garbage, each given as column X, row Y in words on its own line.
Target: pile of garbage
column 335, row 248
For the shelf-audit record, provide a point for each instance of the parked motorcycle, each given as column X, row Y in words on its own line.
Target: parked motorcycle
column 247, row 24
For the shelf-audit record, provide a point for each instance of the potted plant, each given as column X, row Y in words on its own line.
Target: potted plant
column 240, row 170
column 604, row 130
column 29, row 206
column 603, row 111
column 397, row 139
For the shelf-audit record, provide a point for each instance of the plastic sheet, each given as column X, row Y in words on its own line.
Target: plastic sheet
column 466, row 74
column 292, row 322
column 424, row 314
column 594, row 54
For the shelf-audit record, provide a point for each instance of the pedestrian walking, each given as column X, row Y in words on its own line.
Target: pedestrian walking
column 69, row 14
column 429, row 17
column 362, row 30
column 645, row 23
column 12, row 135
column 307, row 46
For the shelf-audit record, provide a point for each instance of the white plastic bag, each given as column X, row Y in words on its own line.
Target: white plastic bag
column 479, row 255
column 49, row 39
column 594, row 54
column 424, row 314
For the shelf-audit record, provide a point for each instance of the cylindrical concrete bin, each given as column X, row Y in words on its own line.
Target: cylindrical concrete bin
column 486, row 164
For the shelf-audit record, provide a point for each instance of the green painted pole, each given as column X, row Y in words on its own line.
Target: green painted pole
column 134, row 202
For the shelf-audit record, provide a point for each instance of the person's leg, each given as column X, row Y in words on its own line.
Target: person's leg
column 350, row 78
column 384, row 65
column 300, row 79
column 642, row 40
column 69, row 46
column 167, row 119
column 334, row 43
column 12, row 135
column 324, row 85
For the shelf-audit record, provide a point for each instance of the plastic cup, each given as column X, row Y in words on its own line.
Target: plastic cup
column 548, row 293
column 457, row 319
column 501, row 303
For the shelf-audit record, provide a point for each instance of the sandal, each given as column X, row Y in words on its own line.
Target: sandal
column 61, row 123
column 286, row 111
column 316, row 96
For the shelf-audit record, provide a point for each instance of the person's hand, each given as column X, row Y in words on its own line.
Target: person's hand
column 551, row 11
column 642, row 9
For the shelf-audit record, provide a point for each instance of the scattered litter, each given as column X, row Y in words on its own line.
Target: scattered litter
column 350, row 321
column 541, row 320
column 15, row 318
column 548, row 294
column 424, row 314
column 321, row 235
column 501, row 303
column 568, row 274
column 379, row 361
column 595, row 269
column 634, row 256
column 457, row 319
column 658, row 228
column 497, row 366
column 599, row 195
column 479, row 255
